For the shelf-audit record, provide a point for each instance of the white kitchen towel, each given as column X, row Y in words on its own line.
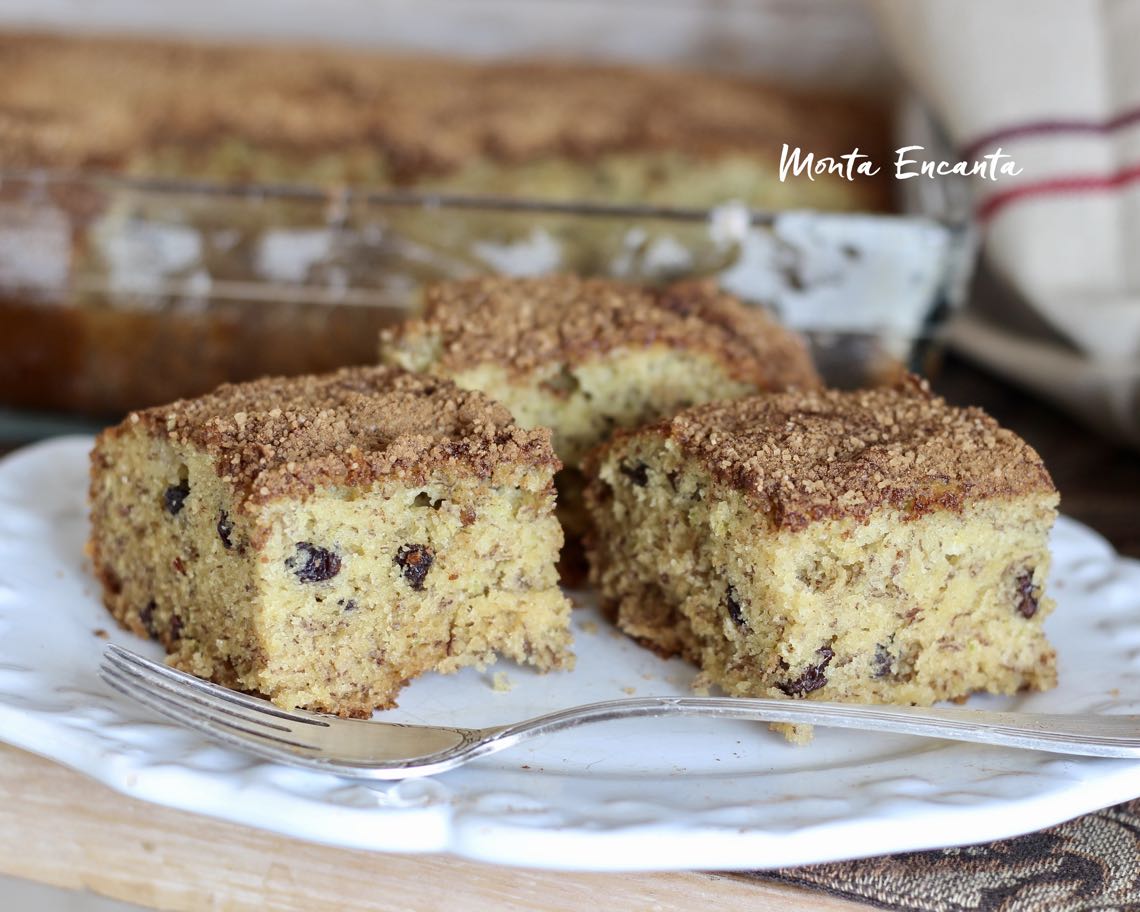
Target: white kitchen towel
column 1056, row 85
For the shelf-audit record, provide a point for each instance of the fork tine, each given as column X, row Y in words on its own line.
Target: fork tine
column 180, row 695
column 262, row 742
column 156, row 671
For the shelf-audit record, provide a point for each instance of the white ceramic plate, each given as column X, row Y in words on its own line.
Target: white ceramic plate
column 649, row 794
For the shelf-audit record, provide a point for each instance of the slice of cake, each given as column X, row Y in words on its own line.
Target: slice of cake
column 876, row 546
column 586, row 356
column 322, row 540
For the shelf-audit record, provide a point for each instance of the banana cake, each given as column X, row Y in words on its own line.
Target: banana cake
column 586, row 356
column 876, row 546
column 322, row 540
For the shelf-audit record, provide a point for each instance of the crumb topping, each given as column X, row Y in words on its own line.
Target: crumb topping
column 524, row 324
column 105, row 102
column 826, row 454
column 287, row 436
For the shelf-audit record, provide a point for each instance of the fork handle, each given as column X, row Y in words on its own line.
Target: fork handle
column 1085, row 735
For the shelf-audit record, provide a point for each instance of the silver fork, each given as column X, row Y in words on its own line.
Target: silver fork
column 363, row 749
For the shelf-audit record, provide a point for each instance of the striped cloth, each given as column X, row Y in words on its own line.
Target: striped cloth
column 1056, row 85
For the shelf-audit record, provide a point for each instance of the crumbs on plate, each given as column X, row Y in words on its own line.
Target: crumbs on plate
column 501, row 682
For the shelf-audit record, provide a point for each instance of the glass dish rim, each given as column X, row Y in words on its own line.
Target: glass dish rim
column 343, row 195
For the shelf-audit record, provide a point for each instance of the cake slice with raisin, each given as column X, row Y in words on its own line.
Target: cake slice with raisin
column 322, row 540
column 586, row 356
column 875, row 546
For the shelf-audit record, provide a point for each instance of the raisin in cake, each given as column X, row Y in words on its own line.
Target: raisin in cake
column 322, row 540
column 876, row 546
column 586, row 356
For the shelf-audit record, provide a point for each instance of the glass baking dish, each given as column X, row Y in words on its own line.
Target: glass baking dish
column 117, row 293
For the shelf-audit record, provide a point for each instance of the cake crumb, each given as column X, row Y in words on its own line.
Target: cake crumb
column 629, row 690
column 501, row 682
column 101, row 633
column 590, row 627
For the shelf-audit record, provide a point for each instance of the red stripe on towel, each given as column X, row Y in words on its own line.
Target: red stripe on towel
column 1057, row 186
column 1046, row 127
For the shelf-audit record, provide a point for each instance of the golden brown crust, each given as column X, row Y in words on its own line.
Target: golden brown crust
column 287, row 436
column 809, row 455
column 101, row 102
column 523, row 324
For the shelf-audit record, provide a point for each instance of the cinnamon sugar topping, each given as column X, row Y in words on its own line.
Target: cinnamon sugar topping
column 524, row 324
column 284, row 436
column 826, row 454
column 104, row 102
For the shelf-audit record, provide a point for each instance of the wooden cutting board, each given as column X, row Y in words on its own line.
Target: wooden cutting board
column 61, row 828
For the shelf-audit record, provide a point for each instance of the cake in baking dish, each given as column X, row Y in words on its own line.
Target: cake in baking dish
column 323, row 540
column 553, row 130
column 201, row 115
column 876, row 546
column 586, row 356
